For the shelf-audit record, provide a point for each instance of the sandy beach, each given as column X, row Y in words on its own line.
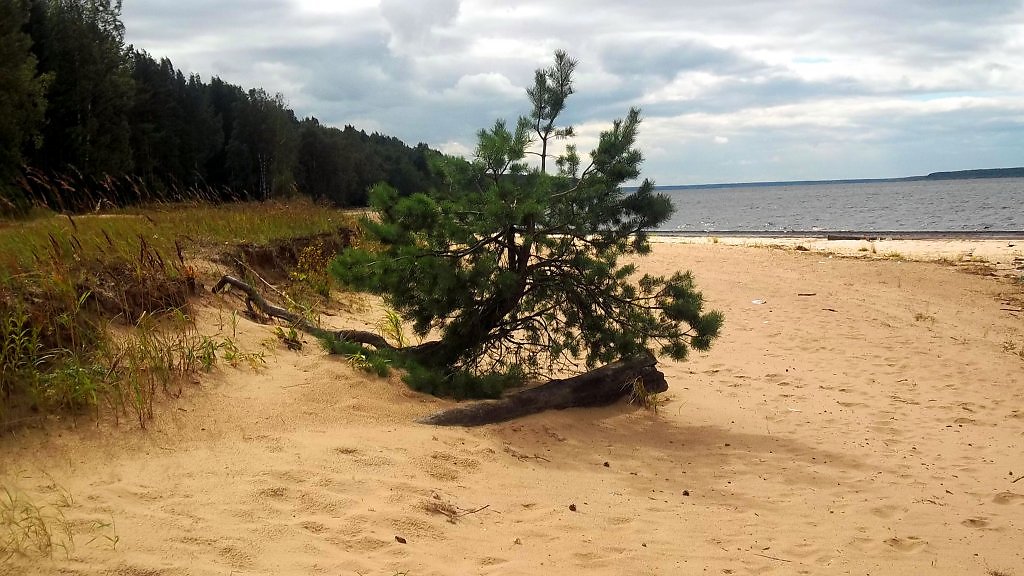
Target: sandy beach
column 862, row 413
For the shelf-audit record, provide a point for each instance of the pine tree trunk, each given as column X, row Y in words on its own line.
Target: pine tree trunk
column 599, row 387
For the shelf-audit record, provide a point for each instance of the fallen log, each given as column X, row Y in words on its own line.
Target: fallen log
column 264, row 308
column 599, row 387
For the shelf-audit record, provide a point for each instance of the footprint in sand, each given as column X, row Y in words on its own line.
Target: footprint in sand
column 235, row 555
column 975, row 523
column 908, row 544
column 312, row 526
column 275, row 492
column 1008, row 498
column 802, row 550
column 888, row 511
column 361, row 458
column 448, row 466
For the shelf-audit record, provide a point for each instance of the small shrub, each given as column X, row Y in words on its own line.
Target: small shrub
column 1014, row 348
column 640, row 396
column 74, row 386
column 459, row 385
column 21, row 353
column 340, row 347
column 289, row 338
column 311, row 269
column 391, row 328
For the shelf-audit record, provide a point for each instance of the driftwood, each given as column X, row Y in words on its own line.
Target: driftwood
column 599, row 387
column 252, row 297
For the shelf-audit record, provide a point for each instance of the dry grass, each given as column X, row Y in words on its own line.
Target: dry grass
column 29, row 529
column 166, row 229
column 640, row 396
column 43, row 523
column 69, row 284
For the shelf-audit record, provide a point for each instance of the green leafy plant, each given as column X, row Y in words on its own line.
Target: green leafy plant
column 392, row 329
column 290, row 338
column 21, row 353
column 311, row 270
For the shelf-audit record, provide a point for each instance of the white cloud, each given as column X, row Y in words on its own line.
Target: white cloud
column 834, row 89
column 482, row 86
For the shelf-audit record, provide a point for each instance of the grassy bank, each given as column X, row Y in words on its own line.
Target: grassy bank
column 94, row 309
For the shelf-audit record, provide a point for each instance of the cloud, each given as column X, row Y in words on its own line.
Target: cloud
column 413, row 23
column 832, row 89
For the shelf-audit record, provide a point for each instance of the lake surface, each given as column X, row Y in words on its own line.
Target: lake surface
column 976, row 205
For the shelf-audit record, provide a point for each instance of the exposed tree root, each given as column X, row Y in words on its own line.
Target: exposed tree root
column 599, row 387
column 264, row 308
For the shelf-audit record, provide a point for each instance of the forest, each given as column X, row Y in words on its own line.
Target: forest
column 87, row 120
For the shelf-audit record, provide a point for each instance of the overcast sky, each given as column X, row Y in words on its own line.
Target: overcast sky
column 731, row 90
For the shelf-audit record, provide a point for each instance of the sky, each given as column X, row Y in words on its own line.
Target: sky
column 730, row 90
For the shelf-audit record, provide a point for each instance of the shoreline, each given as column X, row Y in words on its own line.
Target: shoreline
column 996, row 255
column 850, row 234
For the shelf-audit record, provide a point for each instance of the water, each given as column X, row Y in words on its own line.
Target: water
column 975, row 205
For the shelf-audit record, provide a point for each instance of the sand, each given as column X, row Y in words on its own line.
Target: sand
column 863, row 416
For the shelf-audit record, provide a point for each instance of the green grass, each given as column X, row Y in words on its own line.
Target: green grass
column 26, row 245
column 94, row 309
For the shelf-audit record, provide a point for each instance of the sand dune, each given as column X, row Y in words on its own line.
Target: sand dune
column 866, row 418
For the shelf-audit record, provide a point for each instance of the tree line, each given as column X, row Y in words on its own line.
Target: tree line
column 86, row 119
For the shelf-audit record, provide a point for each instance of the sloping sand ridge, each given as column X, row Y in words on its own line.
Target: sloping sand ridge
column 866, row 418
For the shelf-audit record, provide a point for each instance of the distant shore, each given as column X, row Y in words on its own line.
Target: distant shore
column 852, row 234
column 984, row 173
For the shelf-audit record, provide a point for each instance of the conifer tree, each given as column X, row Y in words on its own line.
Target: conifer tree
column 22, row 99
column 80, row 45
column 552, row 86
column 519, row 269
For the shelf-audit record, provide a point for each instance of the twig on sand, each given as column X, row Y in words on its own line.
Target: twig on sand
column 468, row 512
column 1017, row 480
column 770, row 557
column 520, row 456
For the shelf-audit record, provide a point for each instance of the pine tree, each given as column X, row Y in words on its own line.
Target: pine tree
column 263, row 146
column 22, row 97
column 81, row 45
column 552, row 86
column 519, row 269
